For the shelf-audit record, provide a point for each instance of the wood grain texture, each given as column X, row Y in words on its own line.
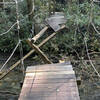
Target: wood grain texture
column 50, row 82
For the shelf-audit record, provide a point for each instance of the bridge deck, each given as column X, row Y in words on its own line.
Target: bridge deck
column 50, row 82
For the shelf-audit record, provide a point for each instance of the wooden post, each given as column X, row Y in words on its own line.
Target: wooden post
column 30, row 5
column 43, row 56
column 28, row 54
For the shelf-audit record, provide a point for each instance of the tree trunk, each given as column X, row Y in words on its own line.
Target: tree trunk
column 30, row 5
column 52, row 9
column 49, row 7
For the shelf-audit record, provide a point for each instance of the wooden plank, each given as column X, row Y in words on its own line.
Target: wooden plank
column 55, row 21
column 45, row 81
column 51, row 76
column 45, row 90
column 49, row 68
column 51, row 94
column 54, row 93
column 50, row 85
column 37, row 98
column 51, row 98
column 50, row 73
column 51, row 65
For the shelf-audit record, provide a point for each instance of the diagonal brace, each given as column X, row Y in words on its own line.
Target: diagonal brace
column 36, row 48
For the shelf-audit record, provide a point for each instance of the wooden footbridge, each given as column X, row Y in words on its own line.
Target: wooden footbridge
column 50, row 82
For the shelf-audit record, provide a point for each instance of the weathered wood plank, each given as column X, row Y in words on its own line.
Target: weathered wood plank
column 55, row 21
column 37, row 98
column 49, row 68
column 50, row 73
column 51, row 98
column 45, row 81
column 53, row 65
column 50, row 85
column 52, row 89
column 51, row 76
column 46, row 94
